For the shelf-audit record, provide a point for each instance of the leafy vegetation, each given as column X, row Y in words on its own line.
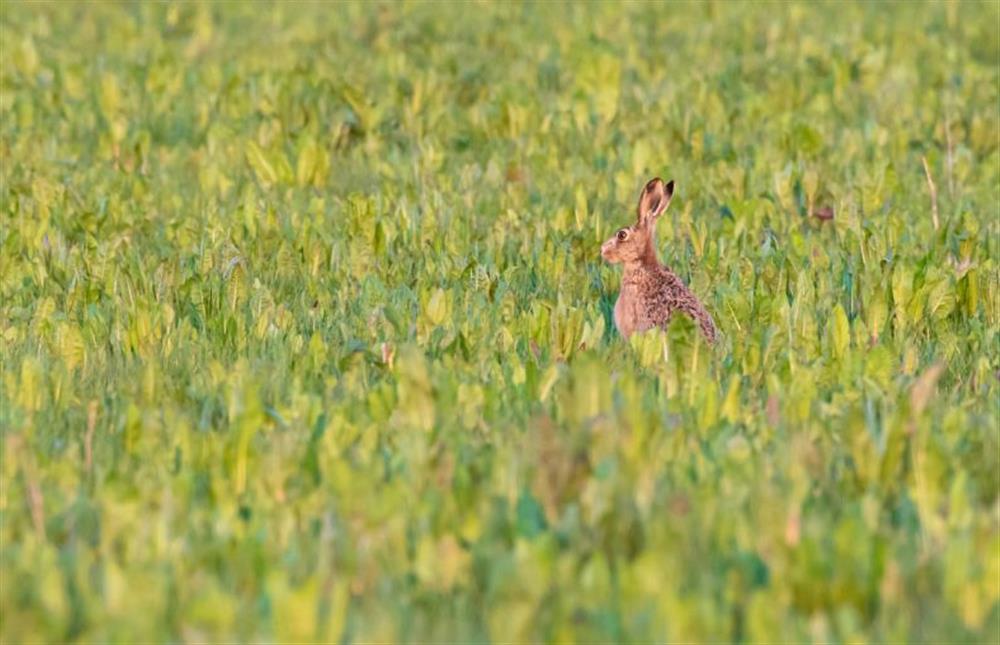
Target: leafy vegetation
column 305, row 333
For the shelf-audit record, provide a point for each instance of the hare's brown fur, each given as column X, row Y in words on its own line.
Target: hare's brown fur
column 650, row 292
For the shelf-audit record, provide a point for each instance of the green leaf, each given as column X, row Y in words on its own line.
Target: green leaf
column 731, row 406
column 437, row 307
column 305, row 169
column 263, row 168
column 530, row 516
column 840, row 331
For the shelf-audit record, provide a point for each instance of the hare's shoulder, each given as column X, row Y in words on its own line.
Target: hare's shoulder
column 663, row 283
column 659, row 291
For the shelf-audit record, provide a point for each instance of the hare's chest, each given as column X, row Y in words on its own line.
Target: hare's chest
column 628, row 311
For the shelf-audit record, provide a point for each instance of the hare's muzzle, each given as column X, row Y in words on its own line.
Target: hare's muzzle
column 606, row 249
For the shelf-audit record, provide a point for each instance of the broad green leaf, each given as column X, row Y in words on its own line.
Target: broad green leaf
column 262, row 167
column 840, row 331
column 306, row 167
column 437, row 307
column 731, row 405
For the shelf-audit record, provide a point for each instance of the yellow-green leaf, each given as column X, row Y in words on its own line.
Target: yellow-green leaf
column 262, row 167
column 840, row 331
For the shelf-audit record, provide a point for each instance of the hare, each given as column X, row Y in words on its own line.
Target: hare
column 650, row 292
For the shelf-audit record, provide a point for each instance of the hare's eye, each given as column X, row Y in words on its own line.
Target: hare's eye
column 622, row 235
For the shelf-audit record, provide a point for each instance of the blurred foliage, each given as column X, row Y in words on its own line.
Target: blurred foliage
column 305, row 334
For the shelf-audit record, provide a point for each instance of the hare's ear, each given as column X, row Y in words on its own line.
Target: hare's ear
column 654, row 200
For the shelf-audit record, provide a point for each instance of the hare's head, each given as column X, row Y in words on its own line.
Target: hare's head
column 634, row 244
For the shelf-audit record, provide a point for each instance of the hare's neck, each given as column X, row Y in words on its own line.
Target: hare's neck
column 647, row 260
column 646, row 263
column 635, row 273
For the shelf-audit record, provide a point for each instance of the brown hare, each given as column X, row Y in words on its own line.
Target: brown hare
column 650, row 292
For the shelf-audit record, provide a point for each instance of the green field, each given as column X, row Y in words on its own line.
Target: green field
column 306, row 336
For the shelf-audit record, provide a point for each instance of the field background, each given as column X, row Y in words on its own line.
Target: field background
column 305, row 333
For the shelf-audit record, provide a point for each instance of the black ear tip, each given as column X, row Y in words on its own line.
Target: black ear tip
column 670, row 187
column 652, row 183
